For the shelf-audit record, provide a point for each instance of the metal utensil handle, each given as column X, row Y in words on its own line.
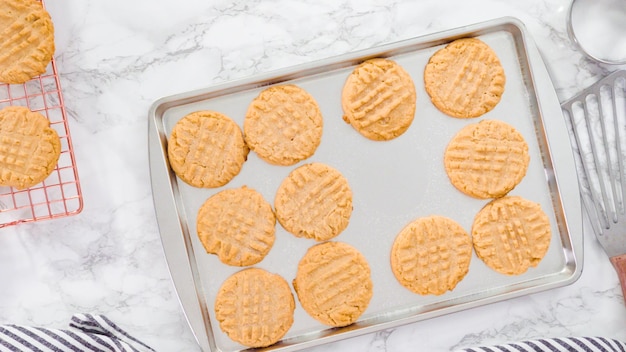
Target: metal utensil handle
column 619, row 262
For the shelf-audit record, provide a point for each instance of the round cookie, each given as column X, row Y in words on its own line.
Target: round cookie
column 465, row 79
column 378, row 99
column 28, row 40
column 206, row 149
column 486, row 159
column 237, row 225
column 29, row 147
column 431, row 255
column 254, row 307
column 283, row 125
column 314, row 201
column 511, row 234
column 333, row 283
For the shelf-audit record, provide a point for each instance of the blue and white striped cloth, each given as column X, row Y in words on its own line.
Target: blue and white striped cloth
column 99, row 334
column 563, row 344
column 96, row 333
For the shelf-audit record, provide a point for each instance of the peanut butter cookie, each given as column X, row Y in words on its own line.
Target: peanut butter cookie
column 29, row 147
column 465, row 79
column 237, row 225
column 206, row 149
column 333, row 283
column 378, row 99
column 283, row 125
column 254, row 307
column 487, row 159
column 314, row 201
column 511, row 234
column 431, row 255
column 27, row 44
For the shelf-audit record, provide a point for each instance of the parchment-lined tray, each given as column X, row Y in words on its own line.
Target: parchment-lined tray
column 393, row 183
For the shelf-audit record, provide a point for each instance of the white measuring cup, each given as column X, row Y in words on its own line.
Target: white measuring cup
column 598, row 27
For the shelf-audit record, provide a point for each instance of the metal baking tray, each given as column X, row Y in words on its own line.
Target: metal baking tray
column 393, row 183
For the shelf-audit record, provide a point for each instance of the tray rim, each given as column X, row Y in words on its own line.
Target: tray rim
column 183, row 274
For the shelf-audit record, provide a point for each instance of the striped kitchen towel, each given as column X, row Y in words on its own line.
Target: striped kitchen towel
column 96, row 334
column 563, row 344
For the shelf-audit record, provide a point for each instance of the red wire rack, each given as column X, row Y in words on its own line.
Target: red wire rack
column 58, row 195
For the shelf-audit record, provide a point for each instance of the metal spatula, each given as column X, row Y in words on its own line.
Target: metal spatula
column 597, row 119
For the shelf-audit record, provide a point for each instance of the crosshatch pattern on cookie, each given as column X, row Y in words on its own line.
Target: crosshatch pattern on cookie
column 511, row 234
column 60, row 194
column 237, row 225
column 255, row 307
column 28, row 44
column 378, row 99
column 314, row 201
column 465, row 79
column 431, row 255
column 333, row 283
column 283, row 125
column 206, row 149
column 487, row 159
column 29, row 148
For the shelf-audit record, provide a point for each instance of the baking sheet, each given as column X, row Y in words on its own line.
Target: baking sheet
column 393, row 182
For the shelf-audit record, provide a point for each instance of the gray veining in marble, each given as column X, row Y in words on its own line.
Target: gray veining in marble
column 116, row 57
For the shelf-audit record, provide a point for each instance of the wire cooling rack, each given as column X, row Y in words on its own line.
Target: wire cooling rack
column 58, row 195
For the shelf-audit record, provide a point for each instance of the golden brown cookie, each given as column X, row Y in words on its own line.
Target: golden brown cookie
column 333, row 283
column 511, row 234
column 378, row 99
column 206, row 149
column 238, row 225
column 314, row 201
column 29, row 147
column 27, row 42
column 431, row 255
column 254, row 307
column 486, row 159
column 465, row 79
column 283, row 125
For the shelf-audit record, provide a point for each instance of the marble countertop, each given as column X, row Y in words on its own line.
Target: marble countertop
column 116, row 57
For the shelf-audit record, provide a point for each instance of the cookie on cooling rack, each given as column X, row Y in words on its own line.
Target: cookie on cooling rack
column 283, row 125
column 237, row 225
column 29, row 147
column 431, row 255
column 314, row 201
column 28, row 40
column 486, row 159
column 333, row 283
column 254, row 307
column 206, row 149
column 511, row 234
column 465, row 79
column 378, row 99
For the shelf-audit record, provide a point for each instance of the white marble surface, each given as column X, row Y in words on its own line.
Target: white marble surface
column 116, row 57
